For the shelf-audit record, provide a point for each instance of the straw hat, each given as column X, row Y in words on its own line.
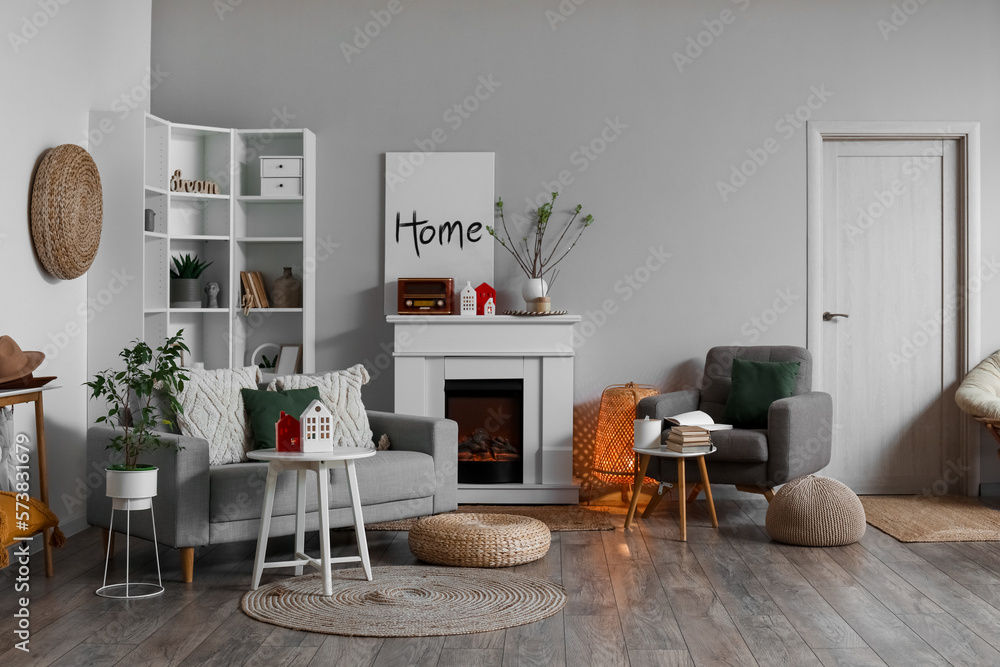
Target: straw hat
column 14, row 363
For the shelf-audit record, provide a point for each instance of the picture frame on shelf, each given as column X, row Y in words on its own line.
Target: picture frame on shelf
column 289, row 359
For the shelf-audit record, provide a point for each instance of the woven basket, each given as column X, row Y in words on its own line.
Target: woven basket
column 479, row 540
column 815, row 512
column 66, row 211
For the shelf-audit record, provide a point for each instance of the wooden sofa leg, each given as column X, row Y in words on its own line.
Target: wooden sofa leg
column 187, row 564
column 104, row 543
column 765, row 491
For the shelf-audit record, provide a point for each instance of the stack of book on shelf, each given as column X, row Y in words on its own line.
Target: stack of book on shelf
column 689, row 440
column 253, row 286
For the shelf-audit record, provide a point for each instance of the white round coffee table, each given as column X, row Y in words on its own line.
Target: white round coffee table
column 644, row 456
column 320, row 463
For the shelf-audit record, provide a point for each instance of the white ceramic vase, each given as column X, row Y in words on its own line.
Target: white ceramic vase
column 532, row 289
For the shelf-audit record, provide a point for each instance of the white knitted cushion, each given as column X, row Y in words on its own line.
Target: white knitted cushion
column 214, row 410
column 341, row 392
column 815, row 512
column 978, row 393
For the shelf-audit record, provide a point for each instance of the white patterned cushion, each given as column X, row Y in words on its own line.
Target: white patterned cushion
column 341, row 392
column 214, row 410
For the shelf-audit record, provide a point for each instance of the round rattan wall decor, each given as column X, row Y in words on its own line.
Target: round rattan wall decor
column 66, row 211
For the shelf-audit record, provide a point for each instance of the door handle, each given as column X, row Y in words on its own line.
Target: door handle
column 827, row 316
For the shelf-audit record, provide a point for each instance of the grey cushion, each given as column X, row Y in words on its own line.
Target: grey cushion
column 237, row 489
column 719, row 367
column 744, row 445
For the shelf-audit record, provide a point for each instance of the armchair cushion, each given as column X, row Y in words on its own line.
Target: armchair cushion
column 755, row 385
column 743, row 445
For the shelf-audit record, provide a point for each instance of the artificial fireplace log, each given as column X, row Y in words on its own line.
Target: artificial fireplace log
column 481, row 447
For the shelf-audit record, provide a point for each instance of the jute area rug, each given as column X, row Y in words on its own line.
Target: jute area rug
column 559, row 518
column 406, row 601
column 933, row 518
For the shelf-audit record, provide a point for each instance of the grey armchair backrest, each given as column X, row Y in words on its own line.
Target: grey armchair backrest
column 719, row 368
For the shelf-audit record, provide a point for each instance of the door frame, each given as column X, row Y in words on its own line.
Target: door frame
column 967, row 135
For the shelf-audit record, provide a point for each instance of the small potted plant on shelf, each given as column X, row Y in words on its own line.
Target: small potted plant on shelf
column 185, row 286
column 532, row 256
column 128, row 394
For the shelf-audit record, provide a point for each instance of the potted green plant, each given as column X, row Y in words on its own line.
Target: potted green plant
column 128, row 394
column 185, row 286
column 532, row 256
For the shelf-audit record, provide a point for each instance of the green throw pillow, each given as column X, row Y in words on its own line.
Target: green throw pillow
column 757, row 384
column 265, row 407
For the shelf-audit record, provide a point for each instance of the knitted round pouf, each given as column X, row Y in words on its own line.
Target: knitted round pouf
column 815, row 512
column 479, row 540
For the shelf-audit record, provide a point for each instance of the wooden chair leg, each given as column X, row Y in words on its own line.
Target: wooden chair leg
column 653, row 502
column 104, row 543
column 765, row 491
column 695, row 490
column 187, row 564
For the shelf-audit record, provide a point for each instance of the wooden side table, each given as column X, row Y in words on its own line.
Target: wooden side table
column 320, row 463
column 644, row 456
column 17, row 397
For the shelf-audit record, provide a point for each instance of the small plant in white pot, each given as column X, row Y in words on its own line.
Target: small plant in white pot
column 131, row 408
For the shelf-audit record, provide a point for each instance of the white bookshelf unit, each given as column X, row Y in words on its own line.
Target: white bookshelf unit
column 237, row 229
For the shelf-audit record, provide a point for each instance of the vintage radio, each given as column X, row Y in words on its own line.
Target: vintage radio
column 425, row 296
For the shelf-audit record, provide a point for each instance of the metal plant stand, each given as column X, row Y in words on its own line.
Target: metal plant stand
column 129, row 590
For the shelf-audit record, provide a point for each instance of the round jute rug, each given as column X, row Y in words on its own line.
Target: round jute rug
column 406, row 601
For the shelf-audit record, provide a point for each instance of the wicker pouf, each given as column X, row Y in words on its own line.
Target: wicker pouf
column 815, row 512
column 479, row 540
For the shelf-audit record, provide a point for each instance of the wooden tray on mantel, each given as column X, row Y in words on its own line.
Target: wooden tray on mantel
column 525, row 313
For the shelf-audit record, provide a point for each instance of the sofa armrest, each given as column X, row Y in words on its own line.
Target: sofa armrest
column 428, row 435
column 181, row 502
column 799, row 436
column 668, row 405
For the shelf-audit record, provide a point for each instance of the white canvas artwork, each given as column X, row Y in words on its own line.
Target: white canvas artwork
column 437, row 208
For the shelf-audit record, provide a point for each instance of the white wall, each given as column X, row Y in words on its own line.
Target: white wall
column 84, row 56
column 556, row 88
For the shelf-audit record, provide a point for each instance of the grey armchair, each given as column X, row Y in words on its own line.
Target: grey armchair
column 796, row 441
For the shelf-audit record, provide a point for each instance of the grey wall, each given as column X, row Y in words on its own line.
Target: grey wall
column 61, row 64
column 559, row 85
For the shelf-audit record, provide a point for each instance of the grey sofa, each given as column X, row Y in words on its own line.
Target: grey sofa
column 796, row 442
column 198, row 504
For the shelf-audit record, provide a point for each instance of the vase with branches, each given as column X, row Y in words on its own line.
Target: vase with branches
column 537, row 258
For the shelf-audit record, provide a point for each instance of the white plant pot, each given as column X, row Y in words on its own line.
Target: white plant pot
column 532, row 289
column 131, row 489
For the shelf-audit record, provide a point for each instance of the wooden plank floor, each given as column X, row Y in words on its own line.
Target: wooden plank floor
column 641, row 598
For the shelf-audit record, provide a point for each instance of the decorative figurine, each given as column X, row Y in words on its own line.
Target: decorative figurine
column 489, row 308
column 483, row 294
column 468, row 299
column 316, row 425
column 212, row 290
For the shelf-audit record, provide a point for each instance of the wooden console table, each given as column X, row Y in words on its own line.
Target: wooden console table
column 17, row 397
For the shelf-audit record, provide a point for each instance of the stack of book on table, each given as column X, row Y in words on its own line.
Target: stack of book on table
column 689, row 440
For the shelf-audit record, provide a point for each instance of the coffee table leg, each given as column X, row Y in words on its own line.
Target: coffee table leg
column 323, row 480
column 708, row 490
column 265, row 525
column 300, row 516
column 359, row 522
column 682, row 494
column 640, row 474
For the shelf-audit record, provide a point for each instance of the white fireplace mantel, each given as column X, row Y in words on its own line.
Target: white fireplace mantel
column 538, row 350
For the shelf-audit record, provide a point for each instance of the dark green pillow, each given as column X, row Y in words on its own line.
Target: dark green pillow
column 757, row 384
column 264, row 408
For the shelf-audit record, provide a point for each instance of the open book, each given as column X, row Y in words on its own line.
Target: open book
column 696, row 418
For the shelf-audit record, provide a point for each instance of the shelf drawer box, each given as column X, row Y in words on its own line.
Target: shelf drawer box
column 281, row 186
column 284, row 167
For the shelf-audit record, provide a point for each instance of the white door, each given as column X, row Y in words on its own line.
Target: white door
column 890, row 331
